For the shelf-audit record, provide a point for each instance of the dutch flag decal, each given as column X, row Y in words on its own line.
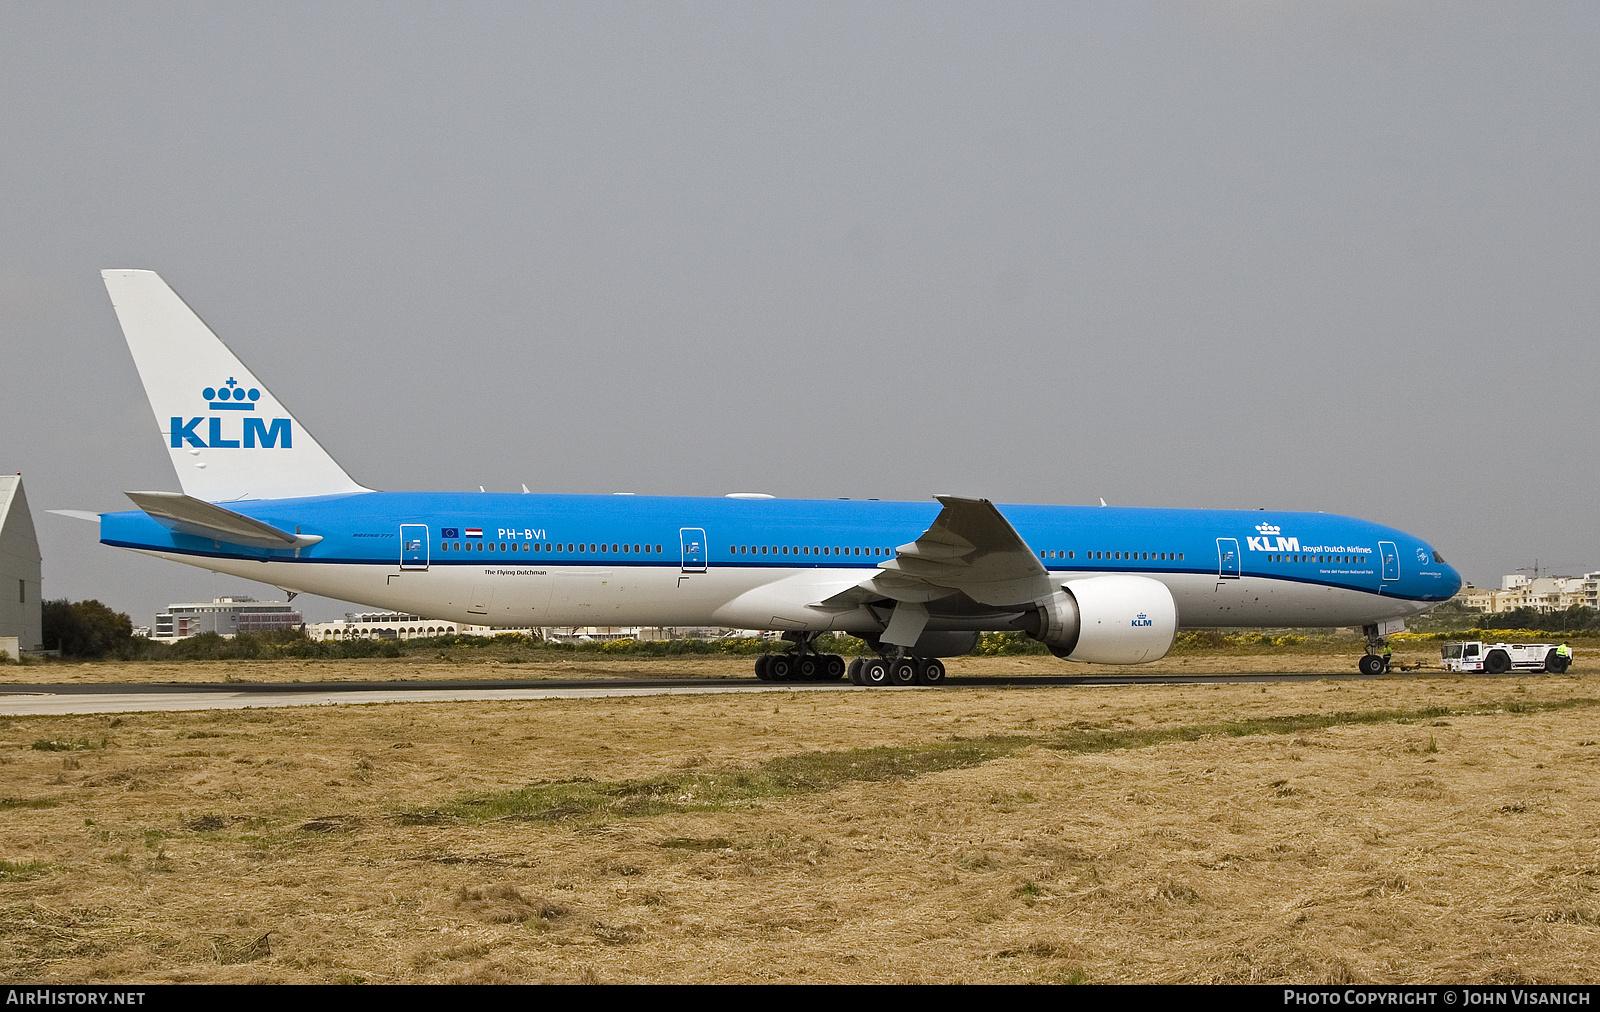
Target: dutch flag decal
column 473, row 532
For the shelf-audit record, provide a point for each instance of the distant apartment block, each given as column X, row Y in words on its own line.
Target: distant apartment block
column 1546, row 593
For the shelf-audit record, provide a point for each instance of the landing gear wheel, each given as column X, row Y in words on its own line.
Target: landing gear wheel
column 932, row 671
column 1497, row 662
column 855, row 672
column 779, row 668
column 874, row 671
column 807, row 669
column 761, row 667
column 832, row 668
column 1370, row 665
column 903, row 671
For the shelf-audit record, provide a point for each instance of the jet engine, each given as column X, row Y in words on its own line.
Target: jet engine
column 1106, row 620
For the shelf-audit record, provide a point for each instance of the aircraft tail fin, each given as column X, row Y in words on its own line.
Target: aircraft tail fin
column 229, row 437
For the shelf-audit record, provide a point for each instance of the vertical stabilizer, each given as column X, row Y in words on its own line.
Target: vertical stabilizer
column 229, row 437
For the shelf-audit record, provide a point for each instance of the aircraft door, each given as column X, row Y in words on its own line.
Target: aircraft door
column 413, row 546
column 1391, row 561
column 1227, row 558
column 692, row 540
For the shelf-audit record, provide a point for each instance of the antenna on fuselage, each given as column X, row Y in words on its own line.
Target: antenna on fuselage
column 1102, row 502
column 526, row 490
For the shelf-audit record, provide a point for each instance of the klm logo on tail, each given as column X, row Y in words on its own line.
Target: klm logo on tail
column 256, row 433
column 1271, row 540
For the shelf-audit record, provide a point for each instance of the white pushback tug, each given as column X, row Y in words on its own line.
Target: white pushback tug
column 1499, row 658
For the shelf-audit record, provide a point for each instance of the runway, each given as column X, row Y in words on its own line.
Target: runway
column 126, row 697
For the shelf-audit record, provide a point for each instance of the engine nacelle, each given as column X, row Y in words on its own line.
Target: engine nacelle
column 1107, row 620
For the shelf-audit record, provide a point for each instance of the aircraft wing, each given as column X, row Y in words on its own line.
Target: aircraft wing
column 970, row 549
column 188, row 515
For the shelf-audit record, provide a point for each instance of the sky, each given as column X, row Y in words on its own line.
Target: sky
column 1339, row 257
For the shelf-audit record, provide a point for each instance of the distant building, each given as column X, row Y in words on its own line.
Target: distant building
column 225, row 616
column 393, row 625
column 21, row 627
column 610, row 633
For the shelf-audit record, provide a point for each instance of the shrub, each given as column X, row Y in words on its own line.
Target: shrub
column 86, row 629
column 1009, row 644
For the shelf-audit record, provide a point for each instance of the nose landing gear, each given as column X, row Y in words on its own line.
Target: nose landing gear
column 1376, row 660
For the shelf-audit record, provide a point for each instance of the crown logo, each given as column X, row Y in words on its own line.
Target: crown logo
column 230, row 396
column 1269, row 528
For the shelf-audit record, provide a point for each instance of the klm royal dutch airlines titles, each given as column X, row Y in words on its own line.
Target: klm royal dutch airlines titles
column 261, row 499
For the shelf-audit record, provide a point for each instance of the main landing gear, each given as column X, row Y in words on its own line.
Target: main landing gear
column 903, row 669
column 795, row 667
column 801, row 663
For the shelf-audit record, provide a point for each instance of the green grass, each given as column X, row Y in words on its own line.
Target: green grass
column 587, row 800
column 69, row 745
column 696, row 843
column 9, row 803
column 21, row 871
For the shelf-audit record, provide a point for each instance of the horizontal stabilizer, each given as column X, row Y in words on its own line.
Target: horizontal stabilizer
column 77, row 515
column 188, row 515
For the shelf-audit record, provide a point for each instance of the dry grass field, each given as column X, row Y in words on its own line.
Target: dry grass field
column 1400, row 830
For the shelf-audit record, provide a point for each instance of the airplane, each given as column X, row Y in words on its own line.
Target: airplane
column 917, row 581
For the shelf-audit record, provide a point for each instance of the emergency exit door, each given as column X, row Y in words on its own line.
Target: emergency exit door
column 413, row 546
column 1391, row 561
column 692, row 541
column 1228, row 558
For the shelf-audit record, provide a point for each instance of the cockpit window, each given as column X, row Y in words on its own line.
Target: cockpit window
column 1438, row 560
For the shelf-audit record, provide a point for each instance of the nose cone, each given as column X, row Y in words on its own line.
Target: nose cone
column 1452, row 581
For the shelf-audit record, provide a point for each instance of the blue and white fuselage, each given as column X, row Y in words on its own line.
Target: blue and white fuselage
column 762, row 563
column 262, row 500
